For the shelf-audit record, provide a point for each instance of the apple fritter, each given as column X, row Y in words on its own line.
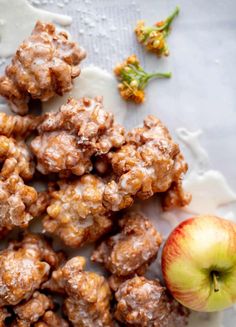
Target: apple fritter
column 146, row 303
column 148, row 163
column 24, row 266
column 17, row 166
column 16, row 199
column 15, row 157
column 87, row 302
column 44, row 65
column 30, row 311
column 76, row 213
column 130, row 251
column 37, row 312
column 70, row 137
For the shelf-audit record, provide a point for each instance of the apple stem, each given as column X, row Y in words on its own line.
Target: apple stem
column 215, row 281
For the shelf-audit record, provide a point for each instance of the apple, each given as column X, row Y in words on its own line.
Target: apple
column 199, row 263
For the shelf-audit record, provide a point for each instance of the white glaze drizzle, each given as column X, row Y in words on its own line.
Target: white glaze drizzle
column 191, row 140
column 94, row 81
column 209, row 188
column 209, row 191
column 17, row 20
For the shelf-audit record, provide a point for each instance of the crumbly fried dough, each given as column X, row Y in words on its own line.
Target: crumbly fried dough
column 23, row 268
column 51, row 319
column 58, row 152
column 41, row 246
column 44, row 65
column 16, row 158
column 88, row 301
column 145, row 303
column 148, row 163
column 132, row 250
column 16, row 165
column 39, row 207
column 69, row 137
column 76, row 213
column 37, row 312
column 175, row 197
column 18, row 126
column 29, row 312
column 16, row 198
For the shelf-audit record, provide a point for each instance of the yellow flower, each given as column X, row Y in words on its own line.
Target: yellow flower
column 153, row 38
column 133, row 79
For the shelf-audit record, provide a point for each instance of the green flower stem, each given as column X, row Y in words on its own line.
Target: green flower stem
column 169, row 20
column 165, row 28
column 148, row 77
column 160, row 75
column 138, row 74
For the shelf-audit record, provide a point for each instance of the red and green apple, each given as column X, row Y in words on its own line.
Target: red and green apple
column 199, row 263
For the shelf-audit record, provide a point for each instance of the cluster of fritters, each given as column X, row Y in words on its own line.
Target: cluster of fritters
column 95, row 170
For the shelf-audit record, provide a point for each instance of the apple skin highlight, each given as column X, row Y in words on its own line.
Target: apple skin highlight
column 199, row 263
